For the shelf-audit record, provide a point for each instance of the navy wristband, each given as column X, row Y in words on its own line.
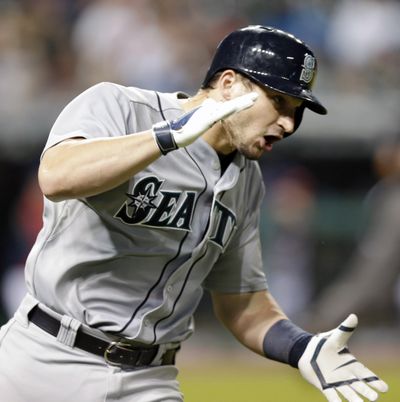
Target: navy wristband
column 164, row 138
column 285, row 342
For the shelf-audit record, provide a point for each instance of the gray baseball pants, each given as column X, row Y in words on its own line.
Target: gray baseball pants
column 37, row 367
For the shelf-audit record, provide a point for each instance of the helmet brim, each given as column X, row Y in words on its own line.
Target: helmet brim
column 288, row 88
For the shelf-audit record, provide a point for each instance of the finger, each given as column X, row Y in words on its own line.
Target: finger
column 331, row 395
column 366, row 375
column 245, row 101
column 364, row 390
column 379, row 385
column 343, row 332
column 238, row 104
column 349, row 393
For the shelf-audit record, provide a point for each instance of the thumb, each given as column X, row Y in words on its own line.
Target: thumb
column 343, row 332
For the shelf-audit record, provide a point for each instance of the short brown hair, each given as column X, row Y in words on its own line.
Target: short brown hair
column 247, row 82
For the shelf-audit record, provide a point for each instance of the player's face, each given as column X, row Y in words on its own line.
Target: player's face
column 254, row 131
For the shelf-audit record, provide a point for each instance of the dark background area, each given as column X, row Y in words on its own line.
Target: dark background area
column 50, row 51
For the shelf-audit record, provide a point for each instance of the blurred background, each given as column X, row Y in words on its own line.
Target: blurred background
column 331, row 218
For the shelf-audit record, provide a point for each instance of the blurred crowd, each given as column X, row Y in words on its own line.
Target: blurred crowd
column 48, row 45
column 51, row 50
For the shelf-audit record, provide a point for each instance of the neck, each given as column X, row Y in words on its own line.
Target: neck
column 195, row 101
column 217, row 137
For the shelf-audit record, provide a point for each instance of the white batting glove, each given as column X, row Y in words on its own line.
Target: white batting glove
column 328, row 365
column 181, row 132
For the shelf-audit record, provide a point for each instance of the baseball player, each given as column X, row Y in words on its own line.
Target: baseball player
column 149, row 199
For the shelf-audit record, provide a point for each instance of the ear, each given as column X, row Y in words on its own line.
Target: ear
column 226, row 82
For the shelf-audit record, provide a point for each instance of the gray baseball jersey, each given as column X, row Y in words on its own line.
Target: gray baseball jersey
column 133, row 261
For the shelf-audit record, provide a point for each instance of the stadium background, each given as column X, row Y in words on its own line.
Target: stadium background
column 316, row 182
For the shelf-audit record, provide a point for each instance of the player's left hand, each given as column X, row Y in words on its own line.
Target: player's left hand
column 328, row 365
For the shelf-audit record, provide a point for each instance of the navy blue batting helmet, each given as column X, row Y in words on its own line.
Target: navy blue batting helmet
column 272, row 58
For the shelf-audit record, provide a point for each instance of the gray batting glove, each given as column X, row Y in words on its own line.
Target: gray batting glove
column 328, row 365
column 171, row 135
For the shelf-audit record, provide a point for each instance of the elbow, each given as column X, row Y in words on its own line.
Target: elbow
column 50, row 184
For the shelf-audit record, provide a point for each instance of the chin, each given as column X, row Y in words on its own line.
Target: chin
column 252, row 155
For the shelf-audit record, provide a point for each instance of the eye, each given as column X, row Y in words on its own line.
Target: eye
column 278, row 100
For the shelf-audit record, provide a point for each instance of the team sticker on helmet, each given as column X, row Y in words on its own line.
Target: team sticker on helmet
column 307, row 73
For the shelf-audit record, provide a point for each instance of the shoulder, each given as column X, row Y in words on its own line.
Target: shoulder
column 109, row 90
column 121, row 93
column 142, row 97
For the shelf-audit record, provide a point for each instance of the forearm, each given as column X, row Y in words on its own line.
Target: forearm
column 323, row 359
column 248, row 316
column 81, row 167
column 84, row 167
column 258, row 323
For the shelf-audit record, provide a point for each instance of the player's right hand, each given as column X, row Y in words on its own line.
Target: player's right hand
column 183, row 131
column 327, row 364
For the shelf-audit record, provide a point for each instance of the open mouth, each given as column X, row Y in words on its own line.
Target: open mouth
column 271, row 138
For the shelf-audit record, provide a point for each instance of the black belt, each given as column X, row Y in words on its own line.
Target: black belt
column 120, row 353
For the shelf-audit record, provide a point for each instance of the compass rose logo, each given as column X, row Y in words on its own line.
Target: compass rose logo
column 142, row 200
column 148, row 205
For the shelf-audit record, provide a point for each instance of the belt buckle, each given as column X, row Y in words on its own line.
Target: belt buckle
column 116, row 345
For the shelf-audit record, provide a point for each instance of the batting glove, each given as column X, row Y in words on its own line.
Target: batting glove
column 181, row 132
column 328, row 365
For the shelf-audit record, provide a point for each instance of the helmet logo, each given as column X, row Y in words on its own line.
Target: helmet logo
column 307, row 73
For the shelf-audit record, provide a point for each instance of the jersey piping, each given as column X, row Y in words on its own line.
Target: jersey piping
column 155, row 285
column 179, row 295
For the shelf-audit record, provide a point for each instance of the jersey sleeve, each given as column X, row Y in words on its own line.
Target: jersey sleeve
column 97, row 112
column 240, row 268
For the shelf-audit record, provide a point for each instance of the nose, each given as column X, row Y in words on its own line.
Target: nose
column 287, row 123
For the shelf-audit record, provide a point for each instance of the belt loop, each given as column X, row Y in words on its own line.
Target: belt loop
column 157, row 358
column 68, row 329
